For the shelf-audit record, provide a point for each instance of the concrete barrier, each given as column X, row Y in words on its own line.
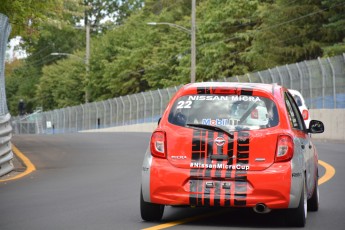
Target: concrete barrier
column 144, row 127
column 333, row 119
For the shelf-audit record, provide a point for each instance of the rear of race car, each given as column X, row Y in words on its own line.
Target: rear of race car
column 222, row 146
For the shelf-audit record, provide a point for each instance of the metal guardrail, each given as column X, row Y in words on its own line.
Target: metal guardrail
column 6, row 154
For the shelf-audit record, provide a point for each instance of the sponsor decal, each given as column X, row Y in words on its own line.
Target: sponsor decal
column 223, row 98
column 219, row 122
column 208, row 98
column 178, row 157
column 219, row 166
column 296, row 174
column 220, row 141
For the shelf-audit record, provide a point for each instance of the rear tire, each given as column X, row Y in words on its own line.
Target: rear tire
column 150, row 211
column 297, row 216
column 313, row 202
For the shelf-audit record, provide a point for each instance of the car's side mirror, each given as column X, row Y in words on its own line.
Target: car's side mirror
column 159, row 121
column 316, row 126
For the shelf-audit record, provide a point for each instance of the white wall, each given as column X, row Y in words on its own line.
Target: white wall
column 333, row 119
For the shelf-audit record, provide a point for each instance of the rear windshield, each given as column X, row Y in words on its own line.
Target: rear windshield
column 232, row 112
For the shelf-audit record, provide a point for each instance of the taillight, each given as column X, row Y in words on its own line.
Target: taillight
column 158, row 144
column 285, row 148
column 305, row 114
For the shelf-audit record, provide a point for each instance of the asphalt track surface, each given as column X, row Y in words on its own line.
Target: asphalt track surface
column 92, row 181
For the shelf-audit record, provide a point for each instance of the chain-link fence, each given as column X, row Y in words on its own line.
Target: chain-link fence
column 321, row 82
column 6, row 154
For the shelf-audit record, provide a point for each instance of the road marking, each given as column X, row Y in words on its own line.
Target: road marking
column 30, row 167
column 330, row 172
column 183, row 221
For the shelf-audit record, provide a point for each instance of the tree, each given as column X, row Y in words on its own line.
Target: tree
column 333, row 29
column 21, row 85
column 289, row 32
column 222, row 36
column 114, row 12
column 59, row 88
column 26, row 17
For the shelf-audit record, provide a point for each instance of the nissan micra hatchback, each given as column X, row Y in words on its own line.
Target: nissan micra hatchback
column 232, row 145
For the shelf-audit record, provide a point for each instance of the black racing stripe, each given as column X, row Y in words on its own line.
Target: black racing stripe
column 240, row 202
column 240, row 175
column 242, row 155
column 203, row 90
column 199, row 196
column 192, row 192
column 198, row 156
column 243, row 148
column 220, row 150
column 209, row 152
column 207, row 196
column 230, row 155
column 243, row 143
column 227, row 197
column 247, row 92
column 217, row 193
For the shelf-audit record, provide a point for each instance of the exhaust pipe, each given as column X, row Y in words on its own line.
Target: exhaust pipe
column 261, row 208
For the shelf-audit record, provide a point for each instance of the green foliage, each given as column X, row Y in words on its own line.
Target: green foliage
column 223, row 35
column 334, row 28
column 21, row 85
column 59, row 88
column 289, row 32
column 26, row 16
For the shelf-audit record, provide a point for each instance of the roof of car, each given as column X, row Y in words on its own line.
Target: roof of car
column 295, row 92
column 257, row 86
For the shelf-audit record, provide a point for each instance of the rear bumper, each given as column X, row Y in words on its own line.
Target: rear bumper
column 234, row 188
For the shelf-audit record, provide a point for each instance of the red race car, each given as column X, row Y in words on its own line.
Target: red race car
column 232, row 145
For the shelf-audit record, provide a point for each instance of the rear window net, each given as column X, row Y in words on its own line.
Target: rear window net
column 234, row 112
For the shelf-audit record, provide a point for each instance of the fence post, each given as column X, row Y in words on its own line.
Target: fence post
column 111, row 112
column 290, row 78
column 323, row 82
column 144, row 106
column 76, row 119
column 270, row 71
column 161, row 101
column 83, row 121
column 169, row 95
column 117, row 112
column 250, row 80
column 153, row 106
column 261, row 79
column 300, row 78
column 130, row 109
column 334, row 89
column 136, row 100
column 280, row 77
column 104, row 114
column 69, row 119
column 123, row 111
column 309, row 76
